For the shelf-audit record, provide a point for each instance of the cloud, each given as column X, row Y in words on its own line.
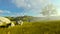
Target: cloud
column 18, row 14
column 1, row 11
column 33, row 6
column 29, row 3
column 4, row 11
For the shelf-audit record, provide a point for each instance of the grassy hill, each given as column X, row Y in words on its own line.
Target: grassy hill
column 43, row 27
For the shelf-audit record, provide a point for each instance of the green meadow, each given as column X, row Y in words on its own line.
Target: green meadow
column 42, row 27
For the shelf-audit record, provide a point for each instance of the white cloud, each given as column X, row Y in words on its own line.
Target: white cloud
column 33, row 6
column 4, row 11
column 1, row 11
column 18, row 14
column 29, row 3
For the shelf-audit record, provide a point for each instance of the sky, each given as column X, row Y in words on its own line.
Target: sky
column 25, row 7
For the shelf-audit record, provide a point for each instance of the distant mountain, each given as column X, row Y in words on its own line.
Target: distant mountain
column 32, row 19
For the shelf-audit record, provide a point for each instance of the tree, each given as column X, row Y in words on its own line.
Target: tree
column 49, row 10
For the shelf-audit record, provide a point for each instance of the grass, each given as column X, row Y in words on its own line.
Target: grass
column 42, row 27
